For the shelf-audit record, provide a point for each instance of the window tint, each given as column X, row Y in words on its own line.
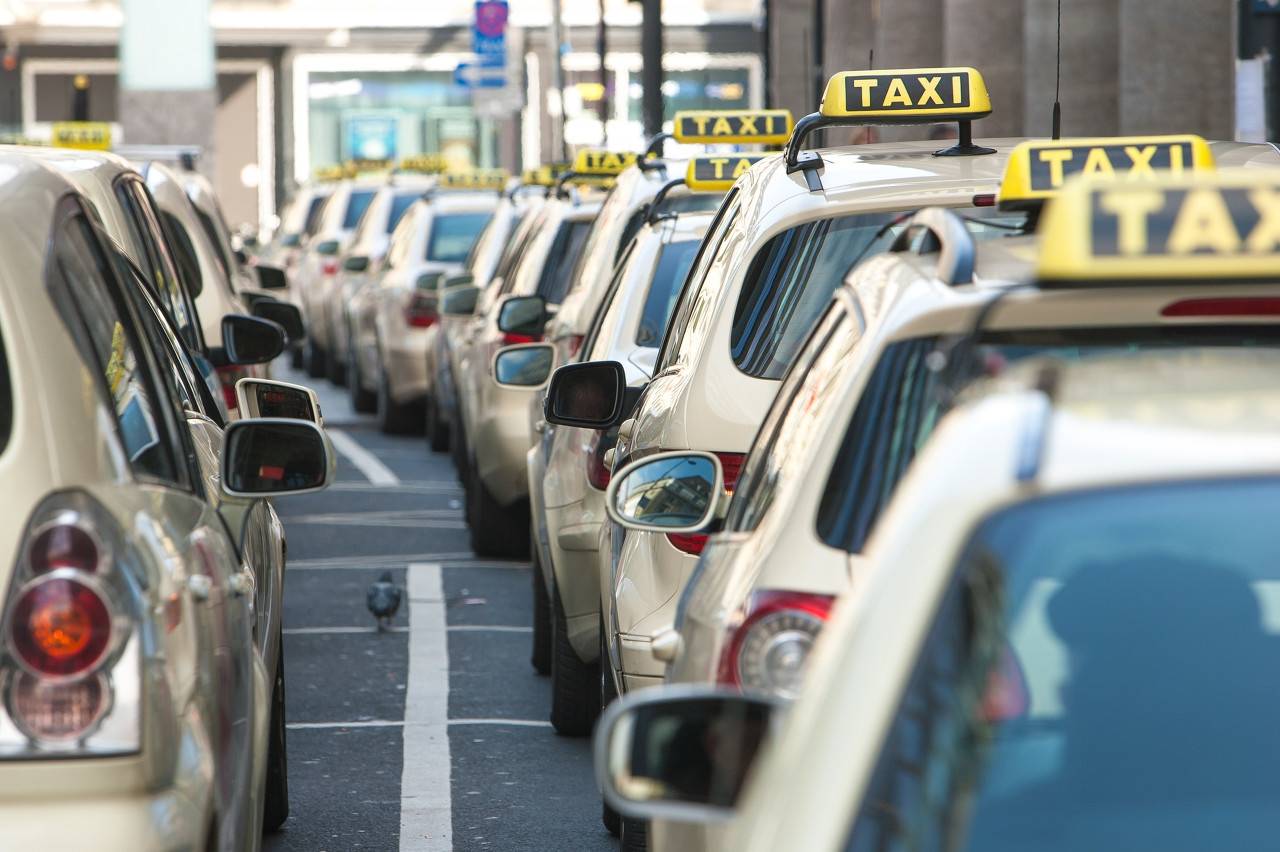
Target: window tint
column 184, row 253
column 161, row 272
column 400, row 202
column 708, row 252
column 516, row 245
column 452, row 235
column 315, row 212
column 114, row 351
column 664, row 289
column 357, row 203
column 568, row 244
column 1095, row 678
column 606, row 307
column 219, row 250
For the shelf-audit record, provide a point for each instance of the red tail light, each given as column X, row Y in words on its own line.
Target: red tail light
column 770, row 645
column 227, row 377
column 63, row 545
column 329, row 266
column 1245, row 306
column 422, row 310
column 511, row 338
column 597, row 473
column 60, row 627
column 693, row 543
column 575, row 343
column 984, row 199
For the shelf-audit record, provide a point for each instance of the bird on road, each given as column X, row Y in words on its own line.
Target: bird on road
column 383, row 599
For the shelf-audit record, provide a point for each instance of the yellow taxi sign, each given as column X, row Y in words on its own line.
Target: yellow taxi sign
column 544, row 175
column 1193, row 227
column 1037, row 170
column 717, row 172
column 732, row 126
column 82, row 135
column 430, row 164
column 595, row 161
column 475, row 179
column 906, row 96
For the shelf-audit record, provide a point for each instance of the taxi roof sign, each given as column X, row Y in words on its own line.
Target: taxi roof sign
column 1037, row 170
column 732, row 126
column 906, row 96
column 431, row 164
column 718, row 172
column 602, row 163
column 82, row 135
column 1222, row 226
column 544, row 175
column 475, row 179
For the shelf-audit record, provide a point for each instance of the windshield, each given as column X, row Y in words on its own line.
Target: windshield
column 356, row 205
column 452, row 235
column 664, row 290
column 1099, row 677
column 400, row 202
column 554, row 282
column 792, row 278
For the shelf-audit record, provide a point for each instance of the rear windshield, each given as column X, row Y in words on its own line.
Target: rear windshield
column 791, row 281
column 453, row 234
column 570, row 239
column 664, row 290
column 356, row 205
column 903, row 400
column 399, row 204
column 1098, row 676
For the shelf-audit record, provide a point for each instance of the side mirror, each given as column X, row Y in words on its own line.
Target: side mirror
column 291, row 240
column 525, row 365
column 272, row 457
column 459, row 301
column 271, row 277
column 241, row 256
column 677, row 492
column 356, row 263
column 680, row 753
column 264, row 398
column 524, row 315
column 457, row 280
column 429, row 281
column 328, row 248
column 284, row 314
column 250, row 340
column 589, row 395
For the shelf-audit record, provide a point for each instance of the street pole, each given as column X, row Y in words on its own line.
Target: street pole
column 602, row 48
column 651, row 66
column 557, row 78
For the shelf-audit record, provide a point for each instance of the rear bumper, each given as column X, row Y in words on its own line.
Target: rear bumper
column 169, row 821
column 406, row 366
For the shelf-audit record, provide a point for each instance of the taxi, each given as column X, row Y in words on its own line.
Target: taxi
column 784, row 237
column 566, row 470
column 491, row 427
column 1068, row 659
column 867, row 392
column 298, row 223
column 151, row 719
column 395, row 320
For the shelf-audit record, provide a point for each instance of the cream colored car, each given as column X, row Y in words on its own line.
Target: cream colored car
column 1055, row 645
column 396, row 317
column 144, row 720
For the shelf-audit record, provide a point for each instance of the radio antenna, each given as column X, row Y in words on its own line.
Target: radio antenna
column 1057, row 83
column 871, row 59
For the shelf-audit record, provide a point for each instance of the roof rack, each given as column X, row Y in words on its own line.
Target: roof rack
column 656, row 212
column 949, row 236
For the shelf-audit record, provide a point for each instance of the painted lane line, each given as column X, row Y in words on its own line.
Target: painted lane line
column 324, row 631
column 516, row 723
column 322, row 726
column 481, row 628
column 366, row 462
column 409, row 726
column 426, row 805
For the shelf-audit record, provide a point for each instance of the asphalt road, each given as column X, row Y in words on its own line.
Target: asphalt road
column 431, row 736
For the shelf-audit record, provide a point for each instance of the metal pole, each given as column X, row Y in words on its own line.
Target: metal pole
column 602, row 48
column 651, row 66
column 557, row 78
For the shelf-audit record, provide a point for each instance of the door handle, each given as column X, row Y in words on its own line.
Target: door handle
column 241, row 585
column 200, row 586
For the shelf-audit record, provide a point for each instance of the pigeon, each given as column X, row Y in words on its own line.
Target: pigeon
column 383, row 599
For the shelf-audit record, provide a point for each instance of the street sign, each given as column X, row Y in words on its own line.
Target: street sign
column 474, row 75
column 489, row 34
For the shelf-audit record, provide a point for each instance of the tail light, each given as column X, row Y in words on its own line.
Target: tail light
column 693, row 543
column 574, row 343
column 510, row 338
column 227, row 377
column 422, row 310
column 60, row 626
column 770, row 643
column 1244, row 306
column 597, row 472
column 329, row 266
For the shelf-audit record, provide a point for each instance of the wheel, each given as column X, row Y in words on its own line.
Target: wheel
column 437, row 429
column 395, row 418
column 297, row 356
column 275, row 803
column 315, row 360
column 496, row 530
column 362, row 400
column 458, row 444
column 541, row 655
column 335, row 370
column 575, row 685
column 634, row 837
column 608, row 692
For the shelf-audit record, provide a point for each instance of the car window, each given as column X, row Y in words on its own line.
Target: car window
column 664, row 289
column 184, row 253
column 554, row 281
column 709, row 253
column 161, row 271
column 220, row 255
column 112, row 346
column 607, row 305
column 521, row 237
column 400, row 202
column 452, row 235
column 357, row 202
column 315, row 214
column 1095, row 678
column 401, row 239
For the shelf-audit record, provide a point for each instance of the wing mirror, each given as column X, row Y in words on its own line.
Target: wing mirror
column 681, row 753
column 459, row 301
column 273, row 457
column 248, row 340
column 355, row 263
column 291, row 240
column 590, row 395
column 265, row 398
column 525, row 365
column 271, row 277
column 677, row 492
column 327, row 248
column 524, row 315
column 429, row 281
column 457, row 280
column 283, row 314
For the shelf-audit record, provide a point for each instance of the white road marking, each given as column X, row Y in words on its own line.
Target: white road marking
column 426, row 810
column 322, row 631
column 518, row 723
column 408, row 726
column 481, row 628
column 366, row 462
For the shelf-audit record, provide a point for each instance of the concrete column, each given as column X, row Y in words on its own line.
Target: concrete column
column 791, row 60
column 987, row 35
column 1090, row 67
column 1177, row 67
column 850, row 35
column 908, row 35
column 168, row 93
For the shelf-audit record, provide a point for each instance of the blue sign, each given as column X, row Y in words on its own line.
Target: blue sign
column 370, row 137
column 489, row 35
column 476, row 75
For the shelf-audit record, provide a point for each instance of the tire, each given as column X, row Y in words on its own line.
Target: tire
column 437, row 430
column 458, row 445
column 395, row 418
column 275, row 801
column 297, row 357
column 575, row 685
column 612, row 819
column 315, row 360
column 362, row 401
column 335, row 370
column 496, row 530
column 540, row 656
column 634, row 837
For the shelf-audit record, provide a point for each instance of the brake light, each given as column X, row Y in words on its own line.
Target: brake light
column 1244, row 306
column 329, row 266
column 422, row 311
column 60, row 627
column 227, row 377
column 694, row 543
column 598, row 473
column 575, row 343
column 63, row 545
column 771, row 642
column 984, row 199
column 510, row 338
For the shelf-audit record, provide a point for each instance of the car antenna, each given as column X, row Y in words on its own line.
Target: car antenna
column 1057, row 83
column 871, row 59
